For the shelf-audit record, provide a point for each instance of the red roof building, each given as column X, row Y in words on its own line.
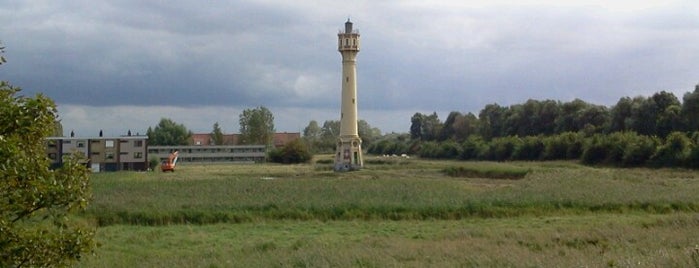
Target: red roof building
column 278, row 140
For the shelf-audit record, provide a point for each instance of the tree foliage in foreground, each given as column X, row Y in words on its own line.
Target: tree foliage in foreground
column 35, row 202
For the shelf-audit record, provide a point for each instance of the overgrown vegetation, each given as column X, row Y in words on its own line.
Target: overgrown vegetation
column 396, row 212
column 622, row 149
column 501, row 173
column 403, row 190
column 294, row 152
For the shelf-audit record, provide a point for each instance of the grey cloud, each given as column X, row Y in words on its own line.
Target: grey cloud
column 283, row 55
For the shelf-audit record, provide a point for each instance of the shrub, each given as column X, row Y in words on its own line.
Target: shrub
column 674, row 152
column 567, row 145
column 531, row 148
column 471, row 146
column 503, row 148
column 495, row 173
column 639, row 150
column 153, row 163
column 292, row 153
column 595, row 150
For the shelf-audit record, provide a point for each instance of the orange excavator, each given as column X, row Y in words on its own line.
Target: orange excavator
column 169, row 164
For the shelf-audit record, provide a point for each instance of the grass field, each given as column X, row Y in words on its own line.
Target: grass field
column 397, row 212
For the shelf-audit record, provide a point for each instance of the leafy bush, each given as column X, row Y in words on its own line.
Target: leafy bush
column 674, row 152
column 639, row 150
column 499, row 173
column 471, row 146
column 153, row 163
column 567, row 145
column 503, row 148
column 595, row 150
column 531, row 148
column 292, row 153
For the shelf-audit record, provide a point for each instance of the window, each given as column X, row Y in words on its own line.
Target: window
column 52, row 156
column 109, row 144
column 109, row 155
column 81, row 144
column 138, row 155
column 124, row 153
column 137, row 143
column 52, row 144
column 95, row 153
column 66, row 142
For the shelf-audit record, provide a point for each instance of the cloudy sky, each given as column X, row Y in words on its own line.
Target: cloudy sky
column 124, row 64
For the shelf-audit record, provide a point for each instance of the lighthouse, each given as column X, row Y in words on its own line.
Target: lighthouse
column 348, row 155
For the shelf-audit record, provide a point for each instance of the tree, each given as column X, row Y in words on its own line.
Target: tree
column 491, row 121
column 425, row 127
column 34, row 200
column 217, row 135
column 256, row 126
column 167, row 132
column 312, row 131
column 416, row 123
column 328, row 135
column 311, row 134
column 448, row 130
column 367, row 133
column 690, row 110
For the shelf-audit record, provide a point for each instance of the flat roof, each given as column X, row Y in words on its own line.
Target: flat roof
column 139, row 137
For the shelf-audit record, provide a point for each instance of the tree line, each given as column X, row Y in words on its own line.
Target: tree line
column 642, row 131
column 256, row 127
column 324, row 139
column 657, row 115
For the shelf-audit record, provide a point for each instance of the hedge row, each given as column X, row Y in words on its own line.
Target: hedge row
column 625, row 149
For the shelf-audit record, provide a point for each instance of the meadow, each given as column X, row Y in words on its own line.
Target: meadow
column 396, row 212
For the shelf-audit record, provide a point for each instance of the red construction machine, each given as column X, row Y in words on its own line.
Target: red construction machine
column 169, row 164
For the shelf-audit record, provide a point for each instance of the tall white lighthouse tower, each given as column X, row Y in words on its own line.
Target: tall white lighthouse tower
column 348, row 155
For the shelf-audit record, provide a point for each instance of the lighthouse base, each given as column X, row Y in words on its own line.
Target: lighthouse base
column 348, row 154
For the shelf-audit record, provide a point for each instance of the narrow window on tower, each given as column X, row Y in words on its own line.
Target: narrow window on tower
column 347, row 79
column 352, row 101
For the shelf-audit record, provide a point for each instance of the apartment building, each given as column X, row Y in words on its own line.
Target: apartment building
column 101, row 153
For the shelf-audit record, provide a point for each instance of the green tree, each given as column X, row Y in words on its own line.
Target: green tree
column 57, row 129
column 492, row 121
column 328, row 136
column 256, row 126
column 367, row 133
column 217, row 135
column 425, row 127
column 311, row 134
column 35, row 202
column 312, row 131
column 167, row 132
column 690, row 110
column 465, row 126
column 416, row 125
column 448, row 130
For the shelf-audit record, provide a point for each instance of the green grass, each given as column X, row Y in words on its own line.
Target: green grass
column 599, row 240
column 244, row 193
column 396, row 212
